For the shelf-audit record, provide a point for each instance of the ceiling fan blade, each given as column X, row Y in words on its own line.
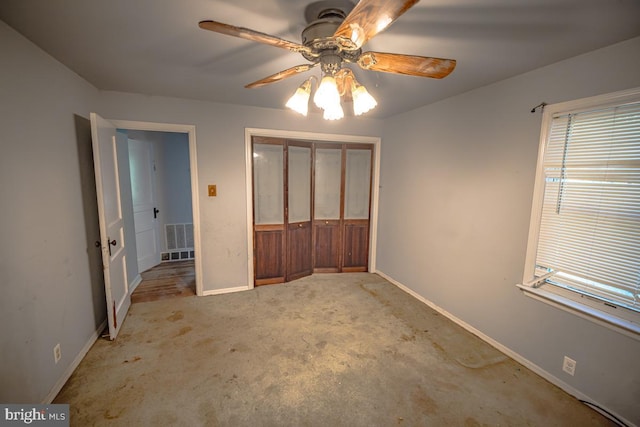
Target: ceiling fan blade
column 368, row 18
column 248, row 34
column 281, row 75
column 411, row 65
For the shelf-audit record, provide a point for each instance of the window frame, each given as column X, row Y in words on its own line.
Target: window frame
column 621, row 319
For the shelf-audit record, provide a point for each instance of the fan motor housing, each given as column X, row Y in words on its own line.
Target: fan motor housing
column 324, row 8
column 319, row 31
column 325, row 17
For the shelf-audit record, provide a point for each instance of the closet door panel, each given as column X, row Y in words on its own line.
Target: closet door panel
column 299, row 246
column 327, row 209
column 328, row 171
column 268, row 255
column 299, row 249
column 357, row 196
column 357, row 184
column 356, row 245
column 269, row 227
column 327, row 246
column 268, row 183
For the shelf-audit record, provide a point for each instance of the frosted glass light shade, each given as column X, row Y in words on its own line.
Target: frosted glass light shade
column 362, row 100
column 299, row 101
column 327, row 95
column 333, row 112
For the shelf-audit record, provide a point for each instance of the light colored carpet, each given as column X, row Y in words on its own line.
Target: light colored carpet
column 326, row 350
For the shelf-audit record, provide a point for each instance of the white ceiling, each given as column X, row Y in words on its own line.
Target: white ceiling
column 155, row 46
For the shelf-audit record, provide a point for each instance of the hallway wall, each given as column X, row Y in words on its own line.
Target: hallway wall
column 172, row 177
column 175, row 178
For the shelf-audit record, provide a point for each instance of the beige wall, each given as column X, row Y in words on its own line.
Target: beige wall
column 49, row 222
column 455, row 200
column 457, row 181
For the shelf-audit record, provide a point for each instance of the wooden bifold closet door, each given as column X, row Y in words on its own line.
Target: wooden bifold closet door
column 298, row 211
column 311, row 208
column 268, row 211
column 357, row 205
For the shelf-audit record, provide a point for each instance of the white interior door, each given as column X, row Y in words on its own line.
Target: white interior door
column 145, row 212
column 111, row 222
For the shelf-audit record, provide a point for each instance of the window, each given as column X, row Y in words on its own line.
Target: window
column 584, row 240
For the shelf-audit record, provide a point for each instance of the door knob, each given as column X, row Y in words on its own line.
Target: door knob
column 155, row 213
column 111, row 243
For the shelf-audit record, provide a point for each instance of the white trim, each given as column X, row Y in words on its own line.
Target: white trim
column 134, row 283
column 76, row 362
column 375, row 197
column 313, row 136
column 507, row 351
column 593, row 314
column 538, row 195
column 249, row 205
column 190, row 130
column 226, row 290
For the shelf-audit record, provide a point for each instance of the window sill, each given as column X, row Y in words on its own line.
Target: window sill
column 623, row 326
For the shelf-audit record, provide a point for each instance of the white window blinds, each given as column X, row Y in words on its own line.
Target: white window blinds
column 589, row 231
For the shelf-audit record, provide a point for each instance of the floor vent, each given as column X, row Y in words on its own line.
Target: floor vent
column 179, row 239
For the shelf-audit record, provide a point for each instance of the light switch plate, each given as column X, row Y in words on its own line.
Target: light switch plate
column 212, row 190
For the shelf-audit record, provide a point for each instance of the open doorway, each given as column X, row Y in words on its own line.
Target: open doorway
column 172, row 236
column 115, row 212
column 163, row 216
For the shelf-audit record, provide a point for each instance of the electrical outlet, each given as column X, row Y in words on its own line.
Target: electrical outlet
column 57, row 353
column 569, row 366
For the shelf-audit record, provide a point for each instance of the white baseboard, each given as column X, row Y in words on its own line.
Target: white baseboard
column 134, row 284
column 72, row 367
column 225, row 290
column 512, row 354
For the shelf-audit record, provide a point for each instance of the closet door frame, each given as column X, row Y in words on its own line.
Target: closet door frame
column 317, row 137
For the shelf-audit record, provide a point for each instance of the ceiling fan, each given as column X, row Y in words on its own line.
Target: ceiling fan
column 335, row 34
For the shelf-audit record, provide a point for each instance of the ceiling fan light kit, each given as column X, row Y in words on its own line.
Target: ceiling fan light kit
column 362, row 100
column 329, row 93
column 335, row 34
column 299, row 101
